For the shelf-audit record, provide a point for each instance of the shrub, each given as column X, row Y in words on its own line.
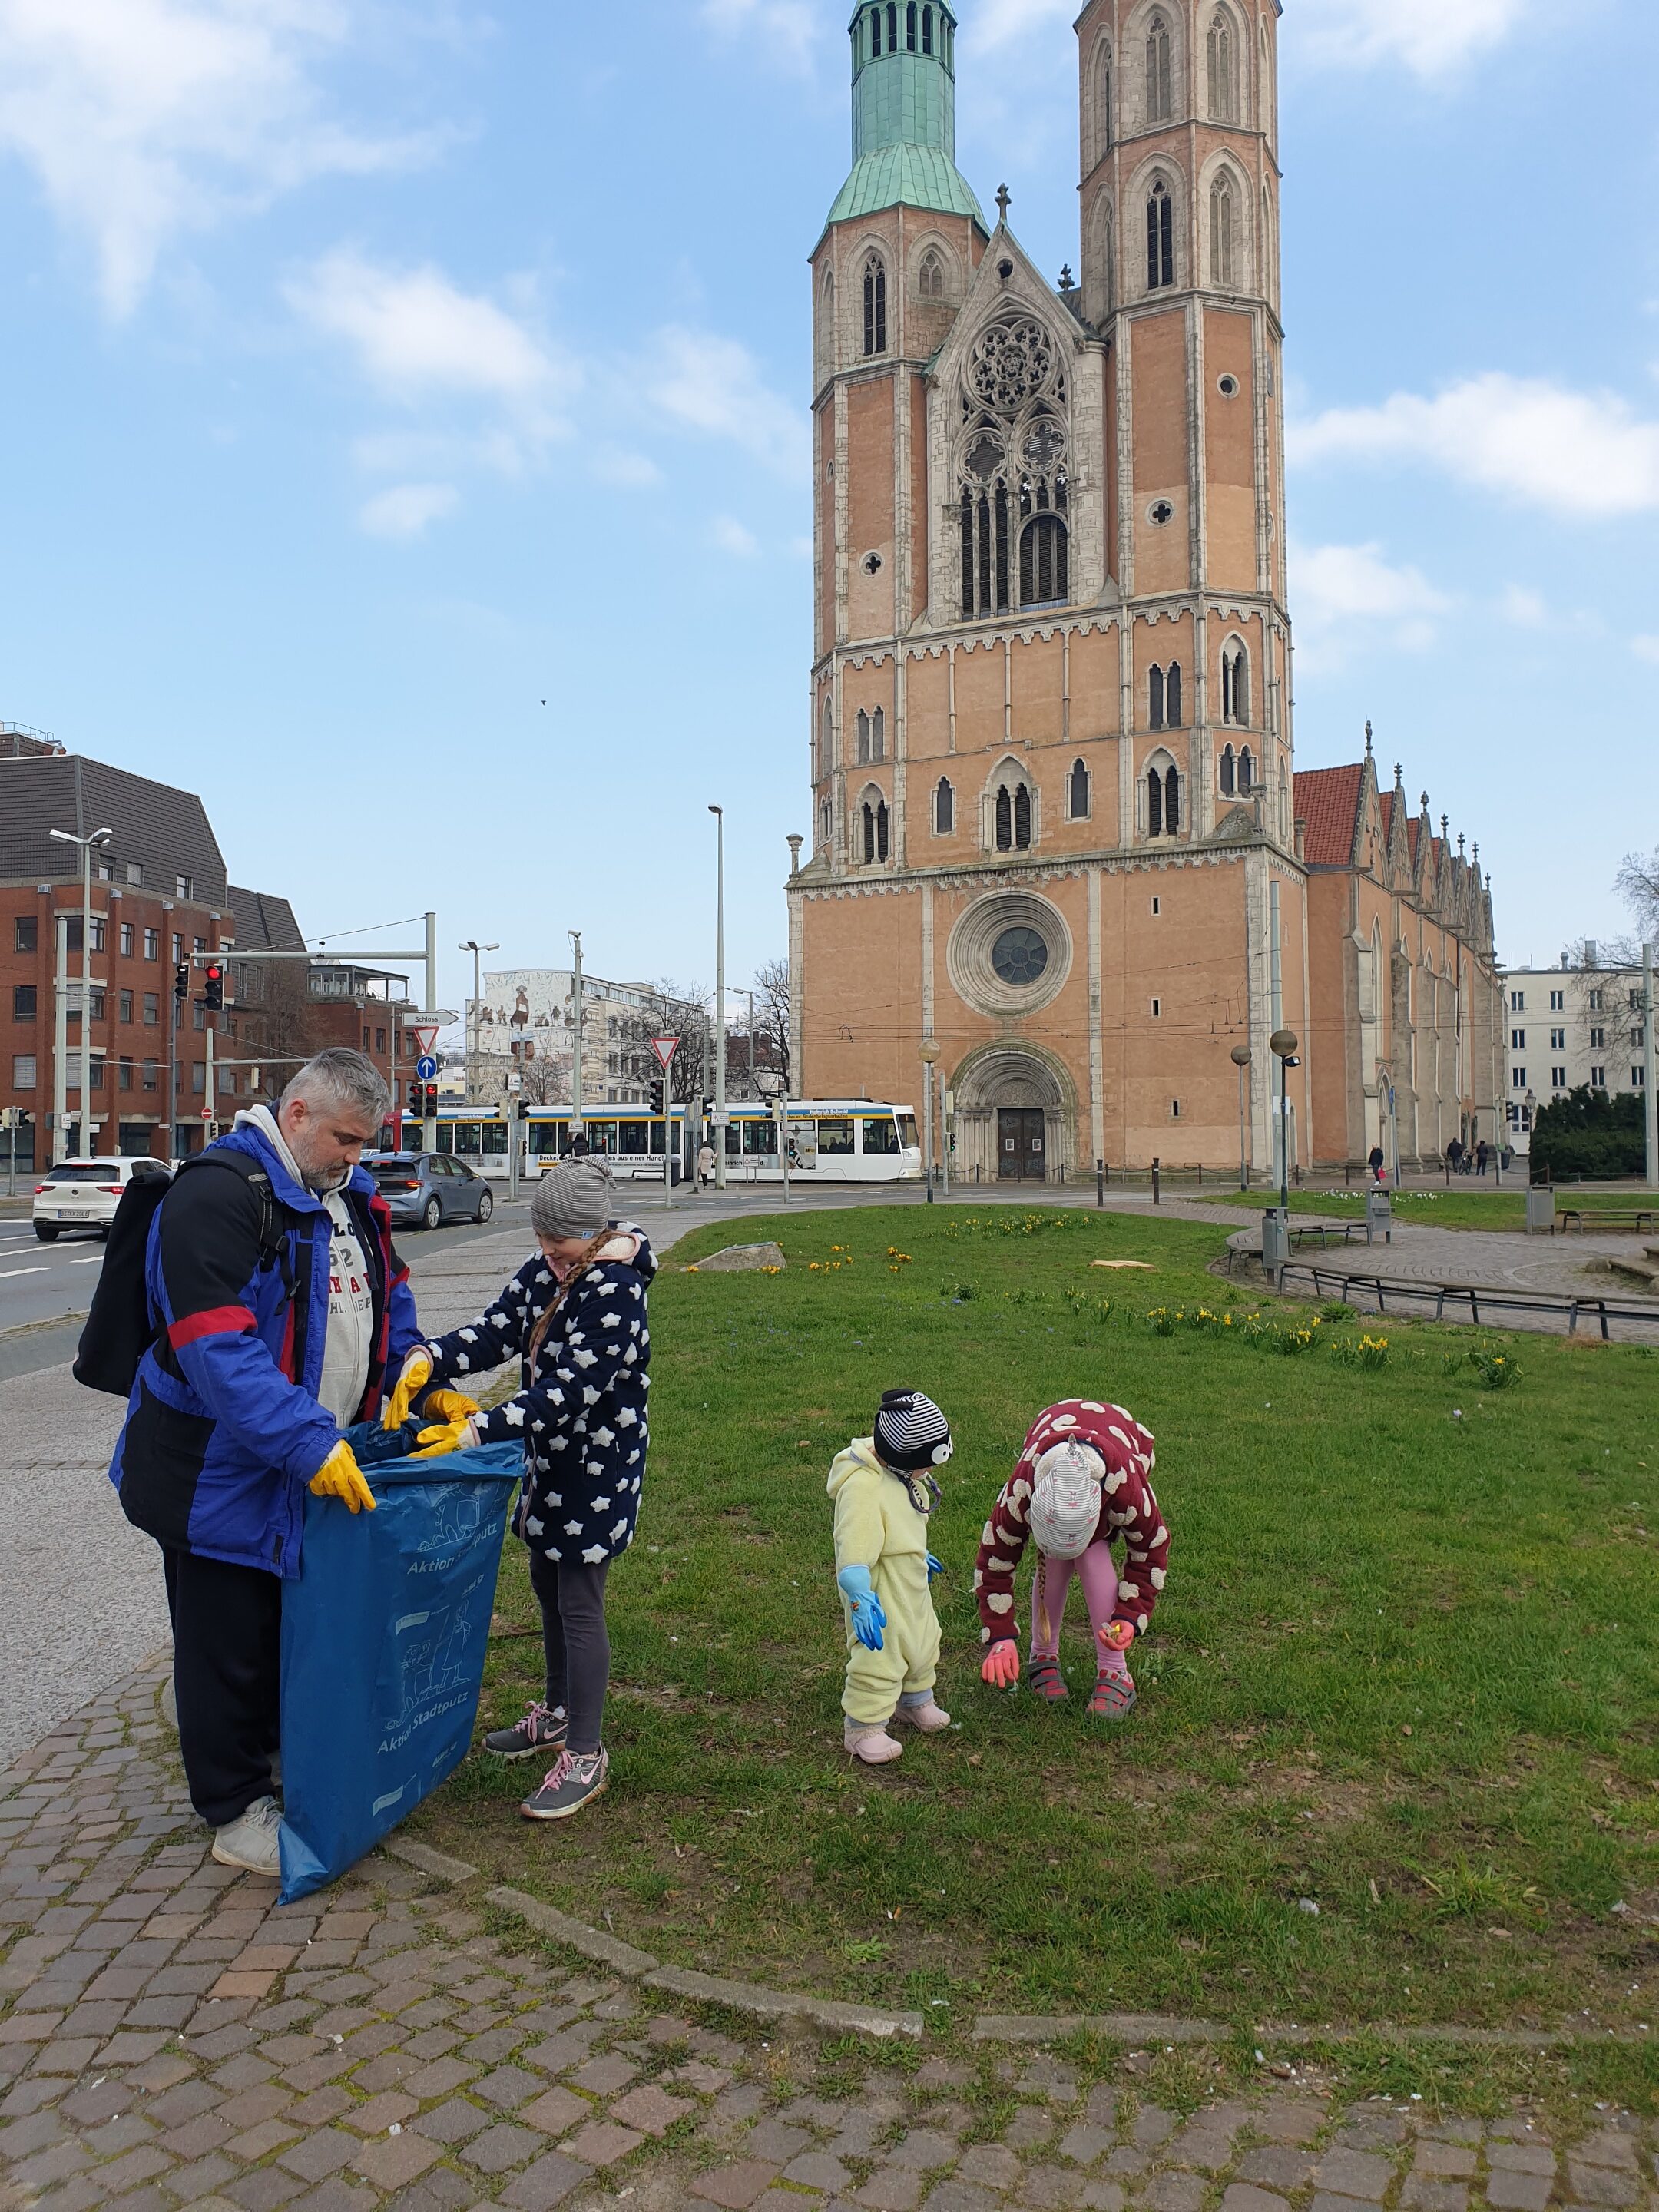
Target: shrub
column 1588, row 1133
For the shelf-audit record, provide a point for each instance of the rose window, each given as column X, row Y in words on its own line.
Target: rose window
column 1011, row 363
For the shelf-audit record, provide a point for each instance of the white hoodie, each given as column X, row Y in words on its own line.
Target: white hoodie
column 349, row 1337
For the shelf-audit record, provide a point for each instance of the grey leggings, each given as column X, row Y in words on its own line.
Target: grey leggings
column 577, row 1645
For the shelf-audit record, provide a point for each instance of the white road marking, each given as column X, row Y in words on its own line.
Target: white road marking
column 92, row 1260
column 12, row 1273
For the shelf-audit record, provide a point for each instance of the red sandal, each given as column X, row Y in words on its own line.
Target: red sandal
column 1115, row 1696
column 1045, row 1681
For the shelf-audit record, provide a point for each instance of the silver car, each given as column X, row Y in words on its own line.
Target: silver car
column 423, row 1190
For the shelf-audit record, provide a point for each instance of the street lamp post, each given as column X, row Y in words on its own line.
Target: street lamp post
column 1276, row 1222
column 1241, row 1061
column 478, row 951
column 775, row 1091
column 719, row 813
column 930, row 1059
column 87, row 844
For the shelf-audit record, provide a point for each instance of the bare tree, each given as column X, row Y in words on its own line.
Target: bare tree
column 671, row 1011
column 772, row 1019
column 1638, row 884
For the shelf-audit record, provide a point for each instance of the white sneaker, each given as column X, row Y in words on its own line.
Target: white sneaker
column 252, row 1842
column 870, row 1743
column 929, row 1718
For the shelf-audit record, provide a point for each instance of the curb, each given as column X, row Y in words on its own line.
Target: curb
column 1154, row 2027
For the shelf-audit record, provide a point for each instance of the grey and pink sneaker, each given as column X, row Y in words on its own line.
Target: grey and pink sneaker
column 575, row 1780
column 540, row 1730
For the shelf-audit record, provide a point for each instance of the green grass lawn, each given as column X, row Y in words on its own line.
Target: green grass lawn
column 1405, row 1669
column 1463, row 1206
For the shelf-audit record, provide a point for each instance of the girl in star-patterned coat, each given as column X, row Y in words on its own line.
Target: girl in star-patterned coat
column 575, row 1318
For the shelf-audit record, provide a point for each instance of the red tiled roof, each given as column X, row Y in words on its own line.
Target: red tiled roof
column 1327, row 800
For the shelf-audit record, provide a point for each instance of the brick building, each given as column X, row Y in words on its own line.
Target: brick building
column 1054, row 806
column 161, row 898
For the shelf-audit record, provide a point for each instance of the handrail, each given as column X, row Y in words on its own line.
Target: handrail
column 1381, row 1287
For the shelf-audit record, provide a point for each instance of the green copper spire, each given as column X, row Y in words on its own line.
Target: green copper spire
column 905, row 113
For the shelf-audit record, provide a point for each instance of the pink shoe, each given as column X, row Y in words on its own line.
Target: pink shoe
column 1115, row 1695
column 1044, row 1679
column 870, row 1743
column 929, row 1718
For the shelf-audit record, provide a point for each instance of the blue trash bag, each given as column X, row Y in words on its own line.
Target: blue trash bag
column 384, row 1637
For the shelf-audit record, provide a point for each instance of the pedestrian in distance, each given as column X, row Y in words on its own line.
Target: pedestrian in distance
column 1482, row 1158
column 575, row 1318
column 1082, row 1483
column 884, row 1489
column 705, row 1164
column 1377, row 1163
column 279, row 1304
column 1454, row 1155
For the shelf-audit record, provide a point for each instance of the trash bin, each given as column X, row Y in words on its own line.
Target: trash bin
column 1540, row 1210
column 1275, row 1242
column 1379, row 1215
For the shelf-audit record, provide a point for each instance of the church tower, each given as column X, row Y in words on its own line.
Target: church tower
column 1050, row 755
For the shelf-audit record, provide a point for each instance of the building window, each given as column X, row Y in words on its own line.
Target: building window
column 1155, row 698
column 1163, row 802
column 152, row 1075
column 152, row 1009
column 1175, row 1110
column 875, row 830
column 1246, row 774
column 1596, row 1002
column 97, row 1074
column 1158, row 1010
column 152, row 945
column 945, row 809
column 26, row 933
column 98, row 932
column 912, row 25
column 932, row 282
column 1234, row 685
column 1518, row 1079
column 124, row 1074
column 23, row 1002
column 1557, row 1002
column 182, row 887
column 126, row 1005
column 875, row 306
column 824, row 820
column 1598, row 1040
column 1557, row 1040
column 878, row 735
column 927, row 30
column 1598, row 1078
column 1518, row 1002
column 1158, row 75
column 1558, row 1079
column 127, row 940
column 1517, row 1040
column 862, row 742
column 1163, row 697
column 1639, row 1079
column 1224, row 81
column 875, row 31
column 1228, row 773
column 1078, row 795
column 1012, row 821
column 1224, row 226
column 22, row 1071
column 1044, row 577
column 1102, row 103
column 1160, row 238
column 985, row 552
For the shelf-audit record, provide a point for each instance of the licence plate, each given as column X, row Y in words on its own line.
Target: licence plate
column 69, row 1213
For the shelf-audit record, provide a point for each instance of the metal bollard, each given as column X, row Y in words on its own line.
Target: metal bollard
column 1157, row 1182
column 1100, row 1183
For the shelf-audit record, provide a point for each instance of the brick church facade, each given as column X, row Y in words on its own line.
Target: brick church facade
column 1057, row 827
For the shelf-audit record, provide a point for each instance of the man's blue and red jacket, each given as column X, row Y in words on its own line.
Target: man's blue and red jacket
column 223, row 1430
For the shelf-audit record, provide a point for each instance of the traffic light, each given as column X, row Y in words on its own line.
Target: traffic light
column 417, row 1098
column 181, row 980
column 213, row 997
column 431, row 1090
column 660, row 1095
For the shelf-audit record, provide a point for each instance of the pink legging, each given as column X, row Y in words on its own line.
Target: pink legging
column 1050, row 1587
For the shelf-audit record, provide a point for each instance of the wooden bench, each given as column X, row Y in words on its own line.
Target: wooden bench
column 1608, row 1217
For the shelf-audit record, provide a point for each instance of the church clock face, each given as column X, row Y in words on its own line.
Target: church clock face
column 1012, row 363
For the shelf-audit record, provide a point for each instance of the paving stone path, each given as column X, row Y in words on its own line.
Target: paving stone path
column 170, row 2038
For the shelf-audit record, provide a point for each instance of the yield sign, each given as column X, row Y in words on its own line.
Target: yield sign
column 664, row 1048
column 425, row 1035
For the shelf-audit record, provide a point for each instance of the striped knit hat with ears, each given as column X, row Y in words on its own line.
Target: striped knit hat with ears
column 912, row 1435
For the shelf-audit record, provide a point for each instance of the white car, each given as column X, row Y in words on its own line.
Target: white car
column 84, row 1194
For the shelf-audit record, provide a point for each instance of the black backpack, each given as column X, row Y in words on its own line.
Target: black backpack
column 120, row 1329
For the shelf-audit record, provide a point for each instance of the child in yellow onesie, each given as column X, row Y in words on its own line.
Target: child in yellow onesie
column 884, row 1489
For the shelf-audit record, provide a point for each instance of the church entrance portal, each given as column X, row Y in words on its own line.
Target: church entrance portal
column 1023, row 1152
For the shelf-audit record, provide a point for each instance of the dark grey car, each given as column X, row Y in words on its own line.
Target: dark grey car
column 424, row 1190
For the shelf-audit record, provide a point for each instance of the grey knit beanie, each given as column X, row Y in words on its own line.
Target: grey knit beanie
column 575, row 1198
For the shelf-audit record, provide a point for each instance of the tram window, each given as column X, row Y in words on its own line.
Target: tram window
column 658, row 1138
column 494, row 1140
column 549, row 1140
column 760, row 1139
column 734, row 1141
column 835, row 1139
column 908, row 1138
column 602, row 1137
column 881, row 1139
column 465, row 1138
column 445, row 1141
column 633, row 1138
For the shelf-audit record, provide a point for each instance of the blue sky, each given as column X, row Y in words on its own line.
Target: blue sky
column 405, row 431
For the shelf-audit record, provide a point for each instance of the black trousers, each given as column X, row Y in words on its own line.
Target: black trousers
column 576, row 1642
column 226, row 1677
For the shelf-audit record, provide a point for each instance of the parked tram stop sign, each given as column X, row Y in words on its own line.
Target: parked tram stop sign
column 426, row 1069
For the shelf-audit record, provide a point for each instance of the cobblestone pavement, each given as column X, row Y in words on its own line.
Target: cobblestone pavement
column 170, row 2039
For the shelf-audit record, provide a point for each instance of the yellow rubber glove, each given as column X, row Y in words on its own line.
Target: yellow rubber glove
column 340, row 1476
column 417, row 1373
column 444, row 1438
column 450, row 1405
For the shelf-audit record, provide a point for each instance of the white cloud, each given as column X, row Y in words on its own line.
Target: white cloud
column 1342, row 593
column 714, row 385
column 1430, row 37
column 142, row 119
column 727, row 535
column 415, row 333
column 1645, row 648
column 407, row 509
column 1526, row 609
column 631, row 471
column 786, row 26
column 1582, row 454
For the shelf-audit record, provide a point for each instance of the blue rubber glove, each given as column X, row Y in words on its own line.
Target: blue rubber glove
column 934, row 1566
column 869, row 1618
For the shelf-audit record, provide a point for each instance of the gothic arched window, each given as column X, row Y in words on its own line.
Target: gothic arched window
column 1160, row 238
column 1223, row 224
column 1078, row 795
column 1154, row 804
column 1102, row 103
column 945, row 808
column 827, row 739
column 1234, row 685
column 1246, row 773
column 1004, row 820
column 1228, row 773
column 875, row 306
column 875, row 31
column 1224, row 81
column 1022, row 818
column 1159, row 102
column 927, row 30
column 874, row 818
column 892, row 26
column 931, row 281
column 912, row 26
column 1171, row 802
column 1155, row 698
column 1043, row 563
column 1172, row 696
column 863, row 755
column 985, row 552
column 878, row 735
